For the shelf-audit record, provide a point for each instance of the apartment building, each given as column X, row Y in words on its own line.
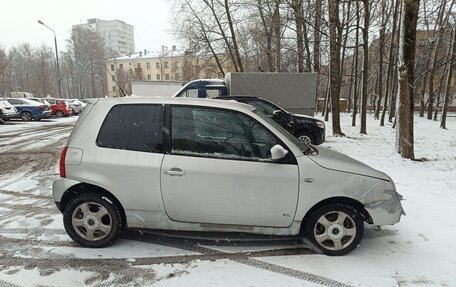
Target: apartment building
column 165, row 65
column 117, row 35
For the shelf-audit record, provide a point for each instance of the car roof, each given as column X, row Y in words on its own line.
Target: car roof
column 27, row 100
column 177, row 101
column 238, row 97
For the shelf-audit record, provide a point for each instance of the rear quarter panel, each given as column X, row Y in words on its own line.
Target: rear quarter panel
column 132, row 177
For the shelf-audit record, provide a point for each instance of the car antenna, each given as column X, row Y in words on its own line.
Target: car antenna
column 114, row 79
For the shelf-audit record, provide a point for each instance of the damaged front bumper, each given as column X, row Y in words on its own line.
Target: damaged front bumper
column 388, row 211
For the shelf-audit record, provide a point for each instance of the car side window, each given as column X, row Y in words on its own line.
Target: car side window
column 211, row 132
column 135, row 127
column 13, row 101
column 192, row 93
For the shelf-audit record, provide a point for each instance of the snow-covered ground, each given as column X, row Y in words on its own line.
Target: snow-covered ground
column 418, row 251
column 421, row 249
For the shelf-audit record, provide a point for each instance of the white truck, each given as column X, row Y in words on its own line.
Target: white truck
column 155, row 88
column 295, row 92
column 21, row 95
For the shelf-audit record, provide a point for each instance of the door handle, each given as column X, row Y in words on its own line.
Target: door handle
column 175, row 171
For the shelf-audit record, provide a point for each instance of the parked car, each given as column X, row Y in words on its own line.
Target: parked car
column 43, row 101
column 76, row 106
column 211, row 165
column 305, row 128
column 30, row 109
column 7, row 111
column 59, row 107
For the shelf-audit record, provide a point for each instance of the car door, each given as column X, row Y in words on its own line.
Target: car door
column 218, row 170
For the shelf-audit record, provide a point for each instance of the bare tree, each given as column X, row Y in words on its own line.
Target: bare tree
column 365, row 66
column 452, row 63
column 335, row 71
column 89, row 54
column 391, row 62
column 404, row 132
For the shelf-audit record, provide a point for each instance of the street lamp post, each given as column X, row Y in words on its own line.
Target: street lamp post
column 56, row 58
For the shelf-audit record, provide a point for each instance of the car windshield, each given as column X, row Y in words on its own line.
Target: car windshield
column 306, row 149
column 264, row 106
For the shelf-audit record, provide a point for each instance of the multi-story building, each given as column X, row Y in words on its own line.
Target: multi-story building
column 166, row 65
column 117, row 35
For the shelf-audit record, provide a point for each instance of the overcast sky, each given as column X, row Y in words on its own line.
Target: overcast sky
column 19, row 20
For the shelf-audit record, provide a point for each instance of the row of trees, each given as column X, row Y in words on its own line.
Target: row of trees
column 362, row 50
column 33, row 69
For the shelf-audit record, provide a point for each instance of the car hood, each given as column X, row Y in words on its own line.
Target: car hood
column 331, row 159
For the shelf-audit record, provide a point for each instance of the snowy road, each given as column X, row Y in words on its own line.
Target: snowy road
column 419, row 251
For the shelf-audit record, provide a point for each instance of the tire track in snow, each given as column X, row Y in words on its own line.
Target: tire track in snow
column 247, row 258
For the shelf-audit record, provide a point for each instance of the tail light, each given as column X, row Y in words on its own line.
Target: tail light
column 62, row 162
column 40, row 108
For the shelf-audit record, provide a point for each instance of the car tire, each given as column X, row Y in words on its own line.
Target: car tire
column 59, row 114
column 26, row 116
column 305, row 138
column 92, row 220
column 335, row 229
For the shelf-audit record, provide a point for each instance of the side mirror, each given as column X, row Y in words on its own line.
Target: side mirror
column 278, row 152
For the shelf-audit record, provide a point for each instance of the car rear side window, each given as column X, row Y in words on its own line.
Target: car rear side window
column 133, row 127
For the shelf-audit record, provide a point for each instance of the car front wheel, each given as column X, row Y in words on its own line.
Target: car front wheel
column 335, row 229
column 92, row 220
column 305, row 138
column 59, row 114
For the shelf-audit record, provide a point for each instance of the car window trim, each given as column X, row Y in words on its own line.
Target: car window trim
column 290, row 159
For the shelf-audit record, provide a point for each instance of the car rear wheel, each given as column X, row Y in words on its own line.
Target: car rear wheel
column 305, row 138
column 92, row 220
column 335, row 229
column 26, row 116
column 59, row 114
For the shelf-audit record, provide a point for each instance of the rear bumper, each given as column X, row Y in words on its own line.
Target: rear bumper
column 43, row 115
column 59, row 187
column 9, row 116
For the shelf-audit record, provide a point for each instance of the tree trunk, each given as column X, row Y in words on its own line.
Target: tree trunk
column 277, row 36
column 327, row 96
column 297, row 10
column 307, row 47
column 449, row 79
column 233, row 37
column 423, row 92
column 404, row 132
column 365, row 65
column 390, row 73
column 381, row 47
column 432, row 64
column 392, row 110
column 268, row 32
column 334, row 74
column 355, row 89
column 316, row 48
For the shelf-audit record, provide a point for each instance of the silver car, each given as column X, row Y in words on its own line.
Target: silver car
column 210, row 165
column 7, row 110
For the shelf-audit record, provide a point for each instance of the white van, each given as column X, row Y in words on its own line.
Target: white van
column 22, row 95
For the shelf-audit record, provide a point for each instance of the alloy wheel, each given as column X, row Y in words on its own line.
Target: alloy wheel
column 92, row 221
column 335, row 230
